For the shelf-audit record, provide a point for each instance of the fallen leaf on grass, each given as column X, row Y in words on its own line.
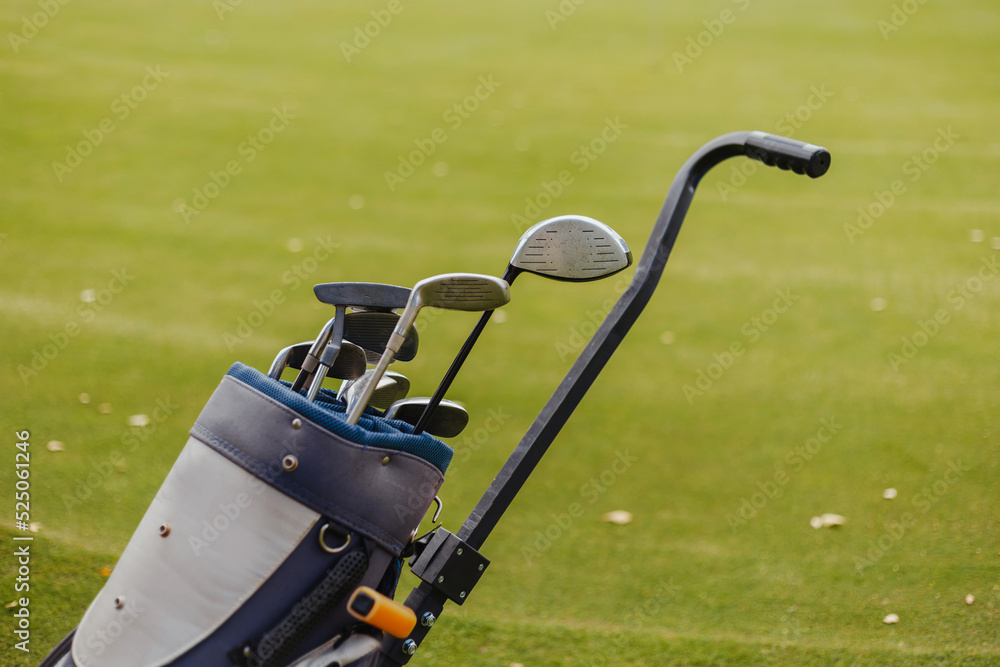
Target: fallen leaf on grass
column 827, row 521
column 618, row 517
column 138, row 420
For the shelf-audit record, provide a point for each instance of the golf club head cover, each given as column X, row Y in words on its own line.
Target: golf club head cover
column 274, row 513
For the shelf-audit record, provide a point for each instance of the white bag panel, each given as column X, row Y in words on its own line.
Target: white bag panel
column 228, row 533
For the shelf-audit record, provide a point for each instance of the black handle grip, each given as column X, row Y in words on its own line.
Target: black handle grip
column 788, row 154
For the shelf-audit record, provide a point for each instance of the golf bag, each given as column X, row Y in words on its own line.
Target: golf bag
column 275, row 511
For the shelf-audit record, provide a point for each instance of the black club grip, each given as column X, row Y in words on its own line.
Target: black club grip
column 788, row 154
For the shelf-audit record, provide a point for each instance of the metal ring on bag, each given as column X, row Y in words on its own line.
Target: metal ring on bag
column 322, row 541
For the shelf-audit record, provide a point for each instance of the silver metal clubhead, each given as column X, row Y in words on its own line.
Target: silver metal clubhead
column 449, row 291
column 349, row 364
column 449, row 418
column 573, row 248
column 391, row 387
column 458, row 291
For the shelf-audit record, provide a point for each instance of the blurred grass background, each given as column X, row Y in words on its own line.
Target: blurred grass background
column 690, row 580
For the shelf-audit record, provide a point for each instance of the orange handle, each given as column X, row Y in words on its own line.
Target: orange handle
column 384, row 613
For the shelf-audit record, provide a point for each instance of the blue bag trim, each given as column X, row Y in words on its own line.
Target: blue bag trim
column 328, row 412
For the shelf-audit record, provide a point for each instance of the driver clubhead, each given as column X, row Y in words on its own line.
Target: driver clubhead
column 574, row 248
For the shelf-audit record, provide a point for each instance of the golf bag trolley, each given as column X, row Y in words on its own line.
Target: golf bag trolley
column 278, row 536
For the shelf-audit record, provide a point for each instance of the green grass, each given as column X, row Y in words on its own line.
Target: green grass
column 686, row 582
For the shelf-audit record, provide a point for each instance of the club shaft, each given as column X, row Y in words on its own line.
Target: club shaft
column 355, row 410
column 509, row 275
column 321, row 371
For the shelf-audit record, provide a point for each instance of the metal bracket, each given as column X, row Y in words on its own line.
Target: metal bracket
column 449, row 565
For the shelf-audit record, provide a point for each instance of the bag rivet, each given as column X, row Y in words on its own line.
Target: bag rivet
column 385, row 461
column 296, row 423
column 119, row 602
column 164, row 530
column 289, row 463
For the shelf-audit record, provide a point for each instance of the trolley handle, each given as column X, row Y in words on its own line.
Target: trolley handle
column 788, row 154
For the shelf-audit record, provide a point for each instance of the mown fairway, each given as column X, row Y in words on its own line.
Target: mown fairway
column 213, row 165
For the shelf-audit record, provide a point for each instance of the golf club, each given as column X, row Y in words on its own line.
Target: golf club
column 371, row 330
column 350, row 364
column 332, row 355
column 572, row 248
column 449, row 291
column 391, row 387
column 341, row 296
column 448, row 420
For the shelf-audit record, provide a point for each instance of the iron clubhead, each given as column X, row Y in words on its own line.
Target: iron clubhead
column 349, row 364
column 372, row 330
column 449, row 418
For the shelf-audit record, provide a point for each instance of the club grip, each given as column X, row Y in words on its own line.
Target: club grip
column 789, row 154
